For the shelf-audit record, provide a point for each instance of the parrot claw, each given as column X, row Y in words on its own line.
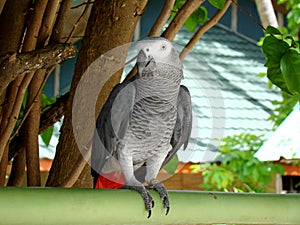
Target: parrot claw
column 159, row 187
column 148, row 200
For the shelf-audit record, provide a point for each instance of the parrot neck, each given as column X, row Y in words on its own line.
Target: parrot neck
column 157, row 91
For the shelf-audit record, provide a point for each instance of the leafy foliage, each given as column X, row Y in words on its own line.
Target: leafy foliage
column 219, row 4
column 293, row 17
column 47, row 134
column 279, row 50
column 283, row 63
column 239, row 170
column 200, row 16
column 171, row 166
column 282, row 108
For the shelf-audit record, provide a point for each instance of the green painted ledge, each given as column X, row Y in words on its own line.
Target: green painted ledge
column 88, row 206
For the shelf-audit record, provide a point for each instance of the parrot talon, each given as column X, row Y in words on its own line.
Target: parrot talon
column 148, row 200
column 159, row 187
column 149, row 214
column 167, row 210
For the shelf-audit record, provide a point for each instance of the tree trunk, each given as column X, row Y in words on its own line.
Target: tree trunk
column 266, row 13
column 111, row 24
column 32, row 124
column 12, row 25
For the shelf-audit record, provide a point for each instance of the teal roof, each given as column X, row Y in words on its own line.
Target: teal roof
column 284, row 142
column 228, row 96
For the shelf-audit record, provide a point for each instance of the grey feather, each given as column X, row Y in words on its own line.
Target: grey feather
column 110, row 120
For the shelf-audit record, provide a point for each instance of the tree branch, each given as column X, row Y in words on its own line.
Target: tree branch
column 61, row 20
column 50, row 115
column 35, row 99
column 162, row 18
column 84, row 14
column 17, row 64
column 156, row 28
column 185, row 11
column 209, row 24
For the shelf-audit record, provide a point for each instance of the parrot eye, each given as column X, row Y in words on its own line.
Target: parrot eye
column 163, row 47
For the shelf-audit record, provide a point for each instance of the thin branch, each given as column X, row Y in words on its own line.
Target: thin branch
column 9, row 70
column 185, row 11
column 61, row 21
column 248, row 14
column 17, row 64
column 162, row 18
column 82, row 16
column 209, row 24
column 32, row 103
column 50, row 115
column 82, row 4
column 156, row 29
column 48, row 22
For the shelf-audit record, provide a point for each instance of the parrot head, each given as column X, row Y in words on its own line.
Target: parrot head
column 155, row 54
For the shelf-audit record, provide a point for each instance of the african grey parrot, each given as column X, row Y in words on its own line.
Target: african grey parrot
column 143, row 123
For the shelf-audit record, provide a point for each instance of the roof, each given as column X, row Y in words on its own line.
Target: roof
column 227, row 95
column 284, row 142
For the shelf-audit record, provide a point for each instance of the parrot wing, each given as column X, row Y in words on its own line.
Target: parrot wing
column 183, row 126
column 111, row 125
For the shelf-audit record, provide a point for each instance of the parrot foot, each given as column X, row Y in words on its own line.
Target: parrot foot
column 160, row 188
column 148, row 200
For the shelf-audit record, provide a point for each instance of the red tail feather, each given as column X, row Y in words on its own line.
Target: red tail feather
column 113, row 180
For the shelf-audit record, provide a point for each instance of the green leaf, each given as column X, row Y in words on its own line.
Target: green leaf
column 290, row 67
column 217, row 3
column 46, row 135
column 272, row 30
column 171, row 166
column 198, row 17
column 47, row 101
column 274, row 49
column 275, row 76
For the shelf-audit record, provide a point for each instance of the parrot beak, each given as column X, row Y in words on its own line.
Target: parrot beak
column 146, row 59
column 148, row 63
column 144, row 55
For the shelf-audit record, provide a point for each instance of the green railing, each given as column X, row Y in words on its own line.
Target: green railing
column 87, row 206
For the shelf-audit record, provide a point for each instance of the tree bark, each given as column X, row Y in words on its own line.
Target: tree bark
column 16, row 177
column 162, row 18
column 50, row 115
column 185, row 11
column 107, row 21
column 26, row 62
column 32, row 123
column 13, row 65
column 205, row 27
column 3, row 166
column 58, row 29
column 12, row 26
column 2, row 2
